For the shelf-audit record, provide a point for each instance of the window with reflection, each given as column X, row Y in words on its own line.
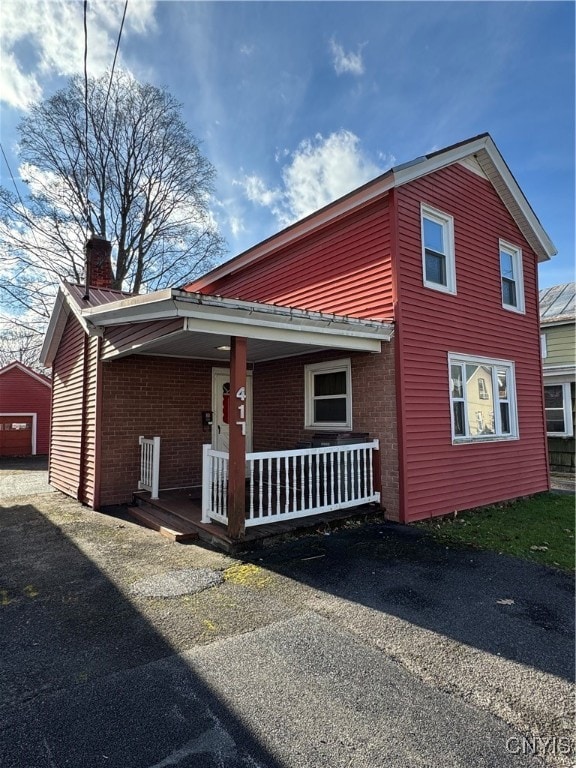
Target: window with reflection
column 511, row 277
column 438, row 250
column 482, row 399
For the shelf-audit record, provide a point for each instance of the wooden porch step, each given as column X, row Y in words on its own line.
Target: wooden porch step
column 166, row 524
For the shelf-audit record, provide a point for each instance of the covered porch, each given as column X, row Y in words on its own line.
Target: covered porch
column 283, row 490
column 177, row 515
column 274, row 441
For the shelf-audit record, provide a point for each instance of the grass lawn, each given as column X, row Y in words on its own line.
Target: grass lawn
column 540, row 529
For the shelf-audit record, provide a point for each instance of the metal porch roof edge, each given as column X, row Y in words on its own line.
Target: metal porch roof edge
column 482, row 147
column 177, row 303
column 247, row 318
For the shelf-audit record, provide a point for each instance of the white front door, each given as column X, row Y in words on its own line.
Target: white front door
column 221, row 403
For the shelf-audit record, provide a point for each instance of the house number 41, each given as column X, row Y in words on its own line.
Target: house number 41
column 241, row 395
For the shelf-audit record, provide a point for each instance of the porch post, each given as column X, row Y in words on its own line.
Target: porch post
column 377, row 470
column 237, row 426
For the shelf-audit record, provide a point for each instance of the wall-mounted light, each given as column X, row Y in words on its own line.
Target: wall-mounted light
column 224, row 348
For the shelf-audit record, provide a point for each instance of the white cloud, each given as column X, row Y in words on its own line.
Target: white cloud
column 246, row 50
column 45, row 38
column 257, row 192
column 236, row 225
column 318, row 172
column 346, row 63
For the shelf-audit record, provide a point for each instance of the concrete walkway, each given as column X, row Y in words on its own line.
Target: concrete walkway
column 563, row 482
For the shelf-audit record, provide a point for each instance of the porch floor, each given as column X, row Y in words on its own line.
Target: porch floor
column 177, row 514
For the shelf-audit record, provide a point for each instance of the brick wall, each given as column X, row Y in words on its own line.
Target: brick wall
column 153, row 396
column 279, row 408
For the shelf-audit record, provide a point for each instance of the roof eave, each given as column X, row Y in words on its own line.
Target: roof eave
column 481, row 147
column 24, row 368
column 229, row 312
column 64, row 305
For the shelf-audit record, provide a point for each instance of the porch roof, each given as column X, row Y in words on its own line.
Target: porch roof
column 178, row 323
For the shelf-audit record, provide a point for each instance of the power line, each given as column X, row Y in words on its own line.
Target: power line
column 11, row 175
column 24, row 209
column 87, row 190
column 113, row 65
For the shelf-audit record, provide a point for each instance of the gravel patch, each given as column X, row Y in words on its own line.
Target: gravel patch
column 187, row 581
column 23, row 477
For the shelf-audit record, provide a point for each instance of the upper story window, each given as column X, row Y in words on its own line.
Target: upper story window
column 438, row 250
column 328, row 395
column 482, row 398
column 511, row 277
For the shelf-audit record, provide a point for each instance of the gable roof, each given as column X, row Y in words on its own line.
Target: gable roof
column 72, row 299
column 558, row 304
column 16, row 365
column 480, row 150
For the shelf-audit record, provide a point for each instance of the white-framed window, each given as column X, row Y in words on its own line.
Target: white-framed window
column 511, row 277
column 482, row 399
column 328, row 395
column 438, row 261
column 543, row 346
column 558, row 404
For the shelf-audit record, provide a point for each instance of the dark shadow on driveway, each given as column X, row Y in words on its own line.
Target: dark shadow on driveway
column 455, row 592
column 24, row 463
column 78, row 686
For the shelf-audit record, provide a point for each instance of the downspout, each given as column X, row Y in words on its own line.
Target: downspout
column 98, row 429
column 82, row 468
column 51, row 430
column 398, row 355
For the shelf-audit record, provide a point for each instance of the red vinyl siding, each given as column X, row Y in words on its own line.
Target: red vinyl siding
column 440, row 477
column 72, row 442
column 89, row 427
column 67, row 403
column 344, row 269
column 20, row 392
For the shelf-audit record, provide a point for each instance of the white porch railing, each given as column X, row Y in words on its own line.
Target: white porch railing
column 283, row 485
column 149, row 465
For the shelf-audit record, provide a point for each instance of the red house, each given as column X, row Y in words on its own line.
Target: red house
column 24, row 411
column 384, row 350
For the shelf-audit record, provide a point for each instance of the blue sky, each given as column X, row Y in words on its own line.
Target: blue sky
column 296, row 103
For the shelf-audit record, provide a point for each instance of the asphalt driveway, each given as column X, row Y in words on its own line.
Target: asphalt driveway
column 370, row 646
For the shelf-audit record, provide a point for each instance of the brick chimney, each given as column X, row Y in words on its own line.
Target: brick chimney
column 98, row 263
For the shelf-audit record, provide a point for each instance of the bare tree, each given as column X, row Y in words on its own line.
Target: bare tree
column 21, row 343
column 121, row 164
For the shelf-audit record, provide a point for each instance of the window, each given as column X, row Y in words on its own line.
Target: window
column 543, row 346
column 482, row 399
column 328, row 395
column 482, row 390
column 511, row 277
column 558, row 404
column 438, row 250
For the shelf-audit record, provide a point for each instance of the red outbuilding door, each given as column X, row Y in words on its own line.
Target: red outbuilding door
column 15, row 435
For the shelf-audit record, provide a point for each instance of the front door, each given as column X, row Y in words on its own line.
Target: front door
column 221, row 408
